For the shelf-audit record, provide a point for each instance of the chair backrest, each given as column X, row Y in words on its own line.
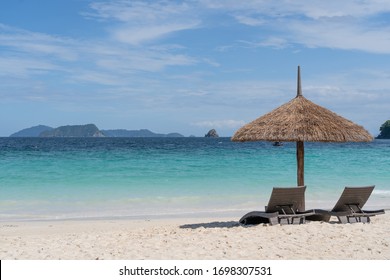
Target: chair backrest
column 294, row 196
column 353, row 196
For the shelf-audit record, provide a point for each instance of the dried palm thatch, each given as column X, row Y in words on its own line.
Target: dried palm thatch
column 301, row 120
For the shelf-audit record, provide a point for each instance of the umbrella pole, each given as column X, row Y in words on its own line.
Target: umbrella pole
column 300, row 146
column 301, row 163
column 301, row 168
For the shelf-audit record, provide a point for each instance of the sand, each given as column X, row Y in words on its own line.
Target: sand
column 191, row 239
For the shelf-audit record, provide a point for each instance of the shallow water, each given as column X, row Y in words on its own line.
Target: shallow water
column 52, row 178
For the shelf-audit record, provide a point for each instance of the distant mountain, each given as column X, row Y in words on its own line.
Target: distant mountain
column 137, row 133
column 87, row 130
column 174, row 134
column 385, row 130
column 34, row 131
column 212, row 134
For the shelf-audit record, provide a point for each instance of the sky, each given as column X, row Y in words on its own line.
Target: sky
column 189, row 66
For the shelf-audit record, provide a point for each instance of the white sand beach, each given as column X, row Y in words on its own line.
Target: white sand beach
column 194, row 238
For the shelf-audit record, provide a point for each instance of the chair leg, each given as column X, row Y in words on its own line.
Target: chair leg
column 301, row 220
column 292, row 221
column 343, row 219
column 365, row 219
column 353, row 219
column 273, row 221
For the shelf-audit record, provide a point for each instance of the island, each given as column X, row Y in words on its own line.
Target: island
column 87, row 130
column 212, row 134
column 384, row 130
column 34, row 131
column 137, row 133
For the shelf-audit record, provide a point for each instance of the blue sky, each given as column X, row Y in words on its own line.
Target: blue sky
column 189, row 66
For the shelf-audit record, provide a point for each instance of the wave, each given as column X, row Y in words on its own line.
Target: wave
column 381, row 192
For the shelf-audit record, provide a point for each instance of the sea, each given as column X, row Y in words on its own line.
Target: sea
column 146, row 178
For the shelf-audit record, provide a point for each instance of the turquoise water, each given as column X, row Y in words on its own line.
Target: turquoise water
column 139, row 177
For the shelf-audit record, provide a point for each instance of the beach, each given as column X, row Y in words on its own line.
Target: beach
column 193, row 239
column 181, row 199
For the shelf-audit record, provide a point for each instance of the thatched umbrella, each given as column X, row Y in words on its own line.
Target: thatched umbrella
column 300, row 120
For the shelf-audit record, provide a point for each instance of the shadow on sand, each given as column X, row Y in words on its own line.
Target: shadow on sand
column 229, row 224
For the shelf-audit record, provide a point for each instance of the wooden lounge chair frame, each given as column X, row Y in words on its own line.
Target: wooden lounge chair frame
column 348, row 208
column 282, row 208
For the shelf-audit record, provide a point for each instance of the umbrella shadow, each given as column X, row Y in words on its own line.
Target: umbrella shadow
column 229, row 224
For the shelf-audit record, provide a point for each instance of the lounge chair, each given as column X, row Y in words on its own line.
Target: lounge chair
column 282, row 208
column 348, row 208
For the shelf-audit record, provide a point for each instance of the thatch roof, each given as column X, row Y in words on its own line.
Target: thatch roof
column 302, row 120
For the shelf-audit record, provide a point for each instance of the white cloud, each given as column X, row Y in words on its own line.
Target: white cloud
column 249, row 20
column 138, row 11
column 143, row 22
column 211, row 62
column 333, row 8
column 348, row 25
column 37, row 43
column 99, row 78
column 130, row 61
column 123, row 61
column 312, row 9
column 137, row 35
column 25, row 53
column 272, row 42
column 22, row 67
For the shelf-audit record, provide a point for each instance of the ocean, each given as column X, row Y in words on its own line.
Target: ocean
column 84, row 178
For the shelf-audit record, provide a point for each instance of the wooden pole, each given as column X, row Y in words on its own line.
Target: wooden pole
column 301, row 168
column 300, row 163
column 300, row 149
